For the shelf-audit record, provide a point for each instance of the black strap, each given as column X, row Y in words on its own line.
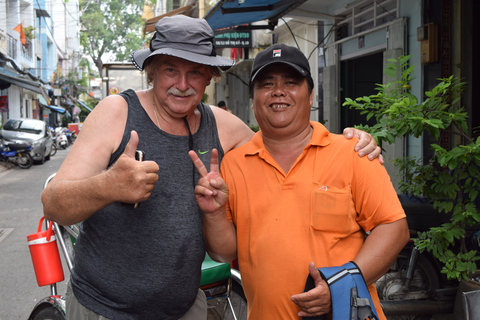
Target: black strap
column 309, row 285
column 190, row 146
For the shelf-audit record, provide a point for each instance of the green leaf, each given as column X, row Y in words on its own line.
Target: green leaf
column 391, row 73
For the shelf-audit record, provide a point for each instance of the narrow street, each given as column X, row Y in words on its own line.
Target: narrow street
column 20, row 212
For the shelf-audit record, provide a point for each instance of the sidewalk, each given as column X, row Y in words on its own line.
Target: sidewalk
column 4, row 166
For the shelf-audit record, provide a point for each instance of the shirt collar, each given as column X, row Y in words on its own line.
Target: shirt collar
column 320, row 137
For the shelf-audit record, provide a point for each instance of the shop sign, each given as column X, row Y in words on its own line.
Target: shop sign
column 233, row 39
column 3, row 103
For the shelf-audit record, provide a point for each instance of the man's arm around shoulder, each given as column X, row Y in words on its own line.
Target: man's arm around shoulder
column 233, row 132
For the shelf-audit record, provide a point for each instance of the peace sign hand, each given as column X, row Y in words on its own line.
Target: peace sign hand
column 211, row 191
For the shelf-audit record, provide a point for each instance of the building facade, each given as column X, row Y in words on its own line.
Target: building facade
column 348, row 44
column 39, row 42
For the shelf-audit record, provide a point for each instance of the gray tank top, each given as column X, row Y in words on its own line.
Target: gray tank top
column 145, row 263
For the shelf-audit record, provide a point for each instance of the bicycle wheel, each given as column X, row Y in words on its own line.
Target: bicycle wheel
column 54, row 149
column 236, row 304
column 48, row 313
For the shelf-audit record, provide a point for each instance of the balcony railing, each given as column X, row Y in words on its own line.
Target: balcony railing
column 12, row 46
column 27, row 51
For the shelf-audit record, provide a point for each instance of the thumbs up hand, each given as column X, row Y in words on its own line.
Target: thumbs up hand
column 131, row 145
column 132, row 181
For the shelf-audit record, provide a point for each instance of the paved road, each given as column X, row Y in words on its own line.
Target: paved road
column 20, row 212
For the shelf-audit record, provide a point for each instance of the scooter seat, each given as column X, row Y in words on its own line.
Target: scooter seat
column 17, row 145
column 213, row 271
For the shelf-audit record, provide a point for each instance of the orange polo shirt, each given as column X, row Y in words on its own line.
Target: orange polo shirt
column 318, row 211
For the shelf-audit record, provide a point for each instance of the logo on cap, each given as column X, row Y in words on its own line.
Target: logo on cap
column 277, row 53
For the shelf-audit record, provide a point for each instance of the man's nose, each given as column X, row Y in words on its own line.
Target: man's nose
column 182, row 82
column 278, row 91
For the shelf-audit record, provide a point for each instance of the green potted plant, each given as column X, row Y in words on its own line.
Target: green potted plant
column 29, row 32
column 451, row 177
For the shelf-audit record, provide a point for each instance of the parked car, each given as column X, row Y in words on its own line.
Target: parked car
column 33, row 131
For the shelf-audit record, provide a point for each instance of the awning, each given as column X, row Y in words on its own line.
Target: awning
column 43, row 101
column 45, row 96
column 84, row 105
column 150, row 23
column 56, row 109
column 229, row 13
column 16, row 79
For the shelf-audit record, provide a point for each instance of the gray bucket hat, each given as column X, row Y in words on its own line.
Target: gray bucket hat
column 182, row 37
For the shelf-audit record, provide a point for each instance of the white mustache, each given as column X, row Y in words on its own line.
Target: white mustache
column 186, row 93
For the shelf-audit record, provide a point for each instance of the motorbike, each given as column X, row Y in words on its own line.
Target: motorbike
column 414, row 288
column 61, row 138
column 17, row 152
column 54, row 140
column 71, row 136
column 221, row 283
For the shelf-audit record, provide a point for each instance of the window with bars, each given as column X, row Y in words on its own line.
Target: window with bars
column 362, row 16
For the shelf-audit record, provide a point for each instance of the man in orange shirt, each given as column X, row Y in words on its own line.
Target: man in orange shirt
column 295, row 198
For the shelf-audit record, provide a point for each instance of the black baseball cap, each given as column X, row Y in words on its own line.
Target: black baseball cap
column 281, row 53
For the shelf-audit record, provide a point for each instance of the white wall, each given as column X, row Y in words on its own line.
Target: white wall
column 305, row 34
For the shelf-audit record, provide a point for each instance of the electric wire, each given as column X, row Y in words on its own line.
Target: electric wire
column 291, row 32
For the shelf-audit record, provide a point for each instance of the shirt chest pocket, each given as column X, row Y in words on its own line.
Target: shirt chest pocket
column 333, row 209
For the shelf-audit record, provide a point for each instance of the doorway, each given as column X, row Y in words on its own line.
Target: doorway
column 359, row 78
